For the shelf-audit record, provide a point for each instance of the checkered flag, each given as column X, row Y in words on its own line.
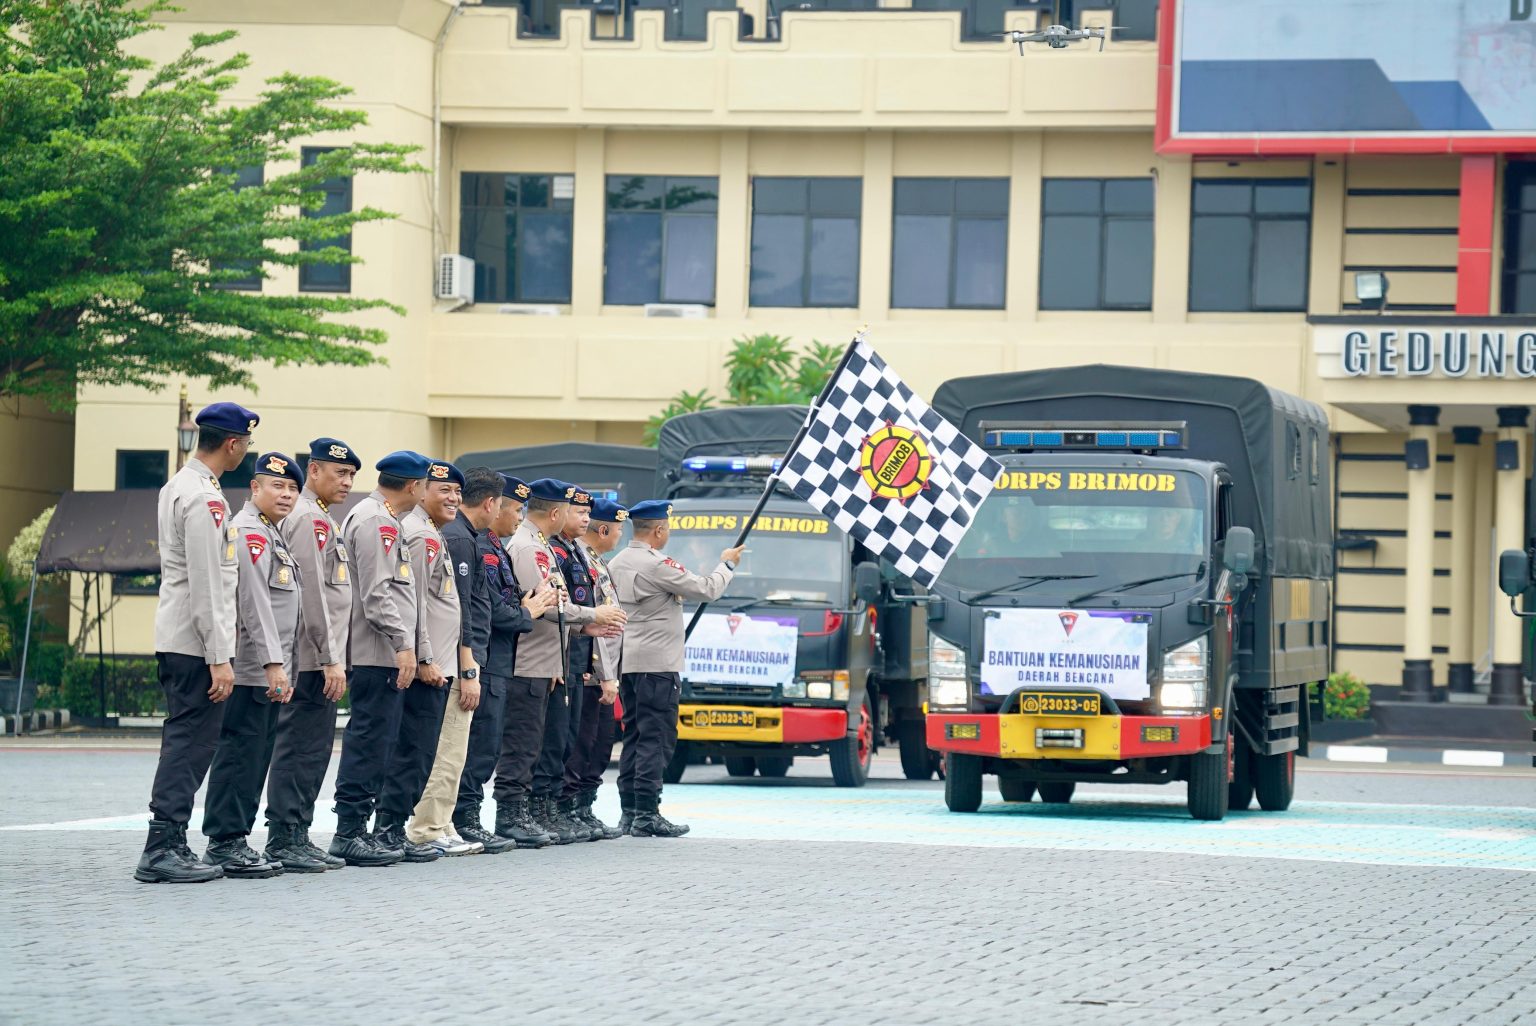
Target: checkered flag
column 887, row 469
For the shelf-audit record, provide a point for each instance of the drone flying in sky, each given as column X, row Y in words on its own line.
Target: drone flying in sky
column 1057, row 37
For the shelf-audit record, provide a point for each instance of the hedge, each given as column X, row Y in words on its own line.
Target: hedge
column 132, row 687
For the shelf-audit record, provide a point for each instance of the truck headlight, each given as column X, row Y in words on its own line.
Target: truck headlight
column 947, row 687
column 1185, row 676
column 794, row 689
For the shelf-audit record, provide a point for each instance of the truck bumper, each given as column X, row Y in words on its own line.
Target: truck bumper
column 760, row 724
column 1098, row 738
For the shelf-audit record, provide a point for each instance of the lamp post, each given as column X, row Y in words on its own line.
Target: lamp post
column 186, row 431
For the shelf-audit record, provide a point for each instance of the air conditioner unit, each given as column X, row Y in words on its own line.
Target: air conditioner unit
column 456, row 277
column 687, row 311
column 529, row 309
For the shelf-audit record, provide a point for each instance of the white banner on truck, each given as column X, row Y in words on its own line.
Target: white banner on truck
column 733, row 648
column 1100, row 649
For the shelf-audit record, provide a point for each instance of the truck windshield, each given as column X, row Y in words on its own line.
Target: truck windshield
column 787, row 557
column 1123, row 524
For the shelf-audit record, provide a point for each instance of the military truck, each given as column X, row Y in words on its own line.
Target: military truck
column 1143, row 598
column 815, row 649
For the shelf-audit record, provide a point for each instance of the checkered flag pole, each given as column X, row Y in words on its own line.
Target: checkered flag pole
column 889, row 471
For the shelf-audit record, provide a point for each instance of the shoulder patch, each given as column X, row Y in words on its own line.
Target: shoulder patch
column 542, row 559
column 322, row 532
column 216, row 510
column 463, row 569
column 389, row 535
column 674, row 564
column 489, row 559
column 433, row 548
column 255, row 544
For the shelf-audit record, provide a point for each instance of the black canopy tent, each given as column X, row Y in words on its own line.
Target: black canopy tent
column 94, row 533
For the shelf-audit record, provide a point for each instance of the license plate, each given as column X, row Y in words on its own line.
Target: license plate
column 1037, row 703
column 725, row 718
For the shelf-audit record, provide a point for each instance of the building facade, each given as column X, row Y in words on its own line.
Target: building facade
column 637, row 187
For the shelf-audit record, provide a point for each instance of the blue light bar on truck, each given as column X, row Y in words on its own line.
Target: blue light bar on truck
column 1085, row 435
column 732, row 464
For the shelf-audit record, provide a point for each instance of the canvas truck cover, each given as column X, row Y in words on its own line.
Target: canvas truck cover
column 625, row 473
column 1275, row 444
column 735, row 431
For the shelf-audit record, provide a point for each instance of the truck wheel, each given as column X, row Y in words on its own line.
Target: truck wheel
column 1274, row 778
column 1015, row 789
column 740, row 765
column 673, row 772
column 916, row 760
column 1057, row 792
column 962, row 782
column 851, row 756
column 774, row 765
column 1208, row 783
column 1240, row 791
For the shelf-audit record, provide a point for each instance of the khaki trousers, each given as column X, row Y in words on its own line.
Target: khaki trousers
column 433, row 816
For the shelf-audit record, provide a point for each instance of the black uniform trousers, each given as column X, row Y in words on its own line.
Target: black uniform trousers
column 650, row 730
column 421, row 723
column 484, row 744
column 306, row 732
column 240, row 764
column 560, row 709
column 588, row 760
column 369, row 740
column 522, row 737
column 188, row 740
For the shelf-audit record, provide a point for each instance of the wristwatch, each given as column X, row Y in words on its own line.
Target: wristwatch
column 469, row 674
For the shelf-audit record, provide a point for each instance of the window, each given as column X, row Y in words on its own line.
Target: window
column 950, row 245
column 983, row 19
column 245, row 178
column 1519, row 293
column 1096, row 244
column 1249, row 244
column 660, row 245
column 805, row 241
column 1132, row 19
column 517, row 228
column 141, row 468
column 338, row 200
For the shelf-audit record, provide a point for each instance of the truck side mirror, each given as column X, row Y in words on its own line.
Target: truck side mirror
column 866, row 582
column 1514, row 572
column 1237, row 551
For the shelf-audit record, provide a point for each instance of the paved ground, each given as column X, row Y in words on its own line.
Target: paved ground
column 1384, row 896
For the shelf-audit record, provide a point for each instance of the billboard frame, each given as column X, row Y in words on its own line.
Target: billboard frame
column 1260, row 145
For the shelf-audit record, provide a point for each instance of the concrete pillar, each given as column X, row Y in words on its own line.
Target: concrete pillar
column 733, row 233
column 876, row 226
column 1418, row 603
column 1508, row 686
column 1463, row 561
column 587, row 215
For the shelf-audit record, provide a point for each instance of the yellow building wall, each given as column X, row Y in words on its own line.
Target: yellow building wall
column 37, row 446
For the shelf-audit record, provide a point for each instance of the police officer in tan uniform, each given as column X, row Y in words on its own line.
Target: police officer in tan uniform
column 383, row 651
column 539, row 669
column 194, row 636
column 592, row 746
column 267, row 611
column 651, row 588
column 306, row 725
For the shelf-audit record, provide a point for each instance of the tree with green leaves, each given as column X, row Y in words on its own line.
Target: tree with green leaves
column 761, row 370
column 121, row 228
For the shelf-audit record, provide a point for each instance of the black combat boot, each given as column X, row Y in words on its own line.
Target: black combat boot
column 650, row 823
column 390, row 831
column 514, row 821
column 353, row 844
column 467, row 823
column 166, row 858
column 316, row 852
column 601, row 831
column 626, row 812
column 565, row 811
column 285, row 848
column 542, row 810
column 239, row 860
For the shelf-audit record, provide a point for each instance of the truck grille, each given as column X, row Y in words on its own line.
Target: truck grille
column 729, row 691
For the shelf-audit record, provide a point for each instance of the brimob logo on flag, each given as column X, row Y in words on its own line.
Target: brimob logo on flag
column 887, row 469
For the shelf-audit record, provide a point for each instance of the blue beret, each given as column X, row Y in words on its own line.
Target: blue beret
column 230, row 417
column 514, row 488
column 332, row 450
column 606, row 511
column 551, row 489
column 278, row 464
column 441, row 470
column 403, row 463
column 581, row 497
column 651, row 509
